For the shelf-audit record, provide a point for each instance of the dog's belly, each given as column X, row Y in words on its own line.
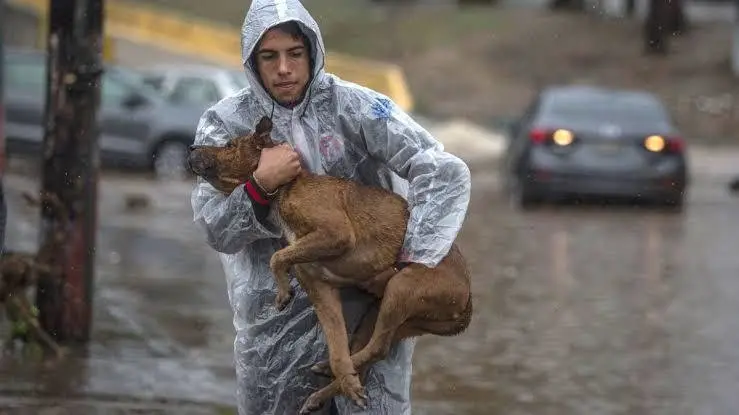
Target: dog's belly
column 360, row 264
column 334, row 279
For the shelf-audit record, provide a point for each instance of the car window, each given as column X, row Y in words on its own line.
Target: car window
column 154, row 81
column 113, row 91
column 630, row 110
column 25, row 75
column 195, row 91
column 528, row 114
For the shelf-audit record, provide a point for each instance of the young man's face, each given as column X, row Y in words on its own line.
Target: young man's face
column 284, row 66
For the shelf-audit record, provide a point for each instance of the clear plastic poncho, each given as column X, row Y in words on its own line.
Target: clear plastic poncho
column 344, row 130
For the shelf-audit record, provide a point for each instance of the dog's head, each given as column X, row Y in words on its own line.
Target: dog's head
column 227, row 167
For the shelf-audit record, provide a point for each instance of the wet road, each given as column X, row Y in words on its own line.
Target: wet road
column 578, row 310
column 585, row 310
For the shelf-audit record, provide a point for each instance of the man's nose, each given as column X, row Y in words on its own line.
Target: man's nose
column 283, row 65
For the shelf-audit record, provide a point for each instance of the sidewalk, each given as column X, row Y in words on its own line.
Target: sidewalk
column 162, row 330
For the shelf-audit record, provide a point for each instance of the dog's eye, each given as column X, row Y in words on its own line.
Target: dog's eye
column 230, row 144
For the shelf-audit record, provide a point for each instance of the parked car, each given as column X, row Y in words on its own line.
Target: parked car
column 595, row 141
column 139, row 128
column 200, row 85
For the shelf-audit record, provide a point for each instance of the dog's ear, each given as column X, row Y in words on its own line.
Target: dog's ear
column 264, row 126
column 262, row 135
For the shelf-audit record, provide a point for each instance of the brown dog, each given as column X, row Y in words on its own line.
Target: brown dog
column 342, row 233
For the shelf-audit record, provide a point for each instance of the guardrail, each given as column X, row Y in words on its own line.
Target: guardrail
column 191, row 36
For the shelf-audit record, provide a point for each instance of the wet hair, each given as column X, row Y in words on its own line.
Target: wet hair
column 293, row 29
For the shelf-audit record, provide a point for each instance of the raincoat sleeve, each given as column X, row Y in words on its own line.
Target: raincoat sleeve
column 438, row 182
column 230, row 221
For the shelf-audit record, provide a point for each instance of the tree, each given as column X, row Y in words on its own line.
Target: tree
column 665, row 18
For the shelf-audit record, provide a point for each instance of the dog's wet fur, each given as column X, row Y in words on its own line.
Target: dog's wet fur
column 342, row 233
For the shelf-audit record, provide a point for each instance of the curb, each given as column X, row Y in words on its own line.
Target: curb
column 468, row 140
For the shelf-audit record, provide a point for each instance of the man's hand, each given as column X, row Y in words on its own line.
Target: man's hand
column 277, row 165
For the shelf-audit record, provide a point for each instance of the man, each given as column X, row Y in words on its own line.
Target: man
column 336, row 128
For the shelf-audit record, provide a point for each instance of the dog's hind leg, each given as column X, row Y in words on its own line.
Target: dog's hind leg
column 316, row 400
column 359, row 339
column 326, row 301
column 402, row 301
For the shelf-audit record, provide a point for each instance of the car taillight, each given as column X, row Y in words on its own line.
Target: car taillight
column 559, row 137
column 675, row 145
column 661, row 144
column 538, row 136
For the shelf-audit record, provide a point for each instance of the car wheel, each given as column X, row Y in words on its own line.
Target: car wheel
column 734, row 185
column 170, row 160
column 522, row 197
column 677, row 202
column 673, row 203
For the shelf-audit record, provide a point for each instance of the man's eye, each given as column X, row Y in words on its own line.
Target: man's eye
column 297, row 54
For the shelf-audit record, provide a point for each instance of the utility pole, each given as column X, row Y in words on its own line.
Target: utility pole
column 70, row 164
column 656, row 28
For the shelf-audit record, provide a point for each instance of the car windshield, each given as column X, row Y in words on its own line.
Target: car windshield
column 135, row 80
column 616, row 109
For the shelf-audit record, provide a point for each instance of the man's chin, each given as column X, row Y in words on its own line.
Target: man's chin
column 288, row 102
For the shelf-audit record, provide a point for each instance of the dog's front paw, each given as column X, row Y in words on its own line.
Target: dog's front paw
column 283, row 298
column 312, row 404
column 322, row 369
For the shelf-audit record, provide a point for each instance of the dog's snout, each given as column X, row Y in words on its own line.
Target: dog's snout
column 200, row 163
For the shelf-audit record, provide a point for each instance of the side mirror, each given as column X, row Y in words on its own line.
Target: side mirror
column 134, row 100
column 512, row 127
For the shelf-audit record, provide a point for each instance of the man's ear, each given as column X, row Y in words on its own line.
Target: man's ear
column 264, row 126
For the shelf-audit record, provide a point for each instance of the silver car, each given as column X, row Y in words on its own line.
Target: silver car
column 595, row 141
column 199, row 85
column 138, row 128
